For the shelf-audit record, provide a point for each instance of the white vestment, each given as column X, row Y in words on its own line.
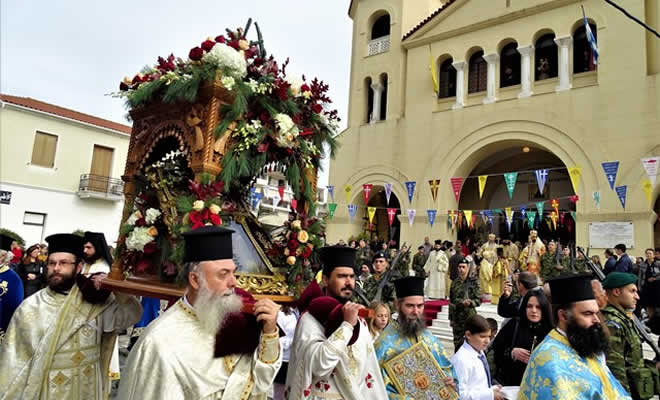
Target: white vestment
column 57, row 345
column 324, row 368
column 173, row 359
column 436, row 267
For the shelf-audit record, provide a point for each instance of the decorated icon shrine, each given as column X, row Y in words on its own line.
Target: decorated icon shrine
column 203, row 130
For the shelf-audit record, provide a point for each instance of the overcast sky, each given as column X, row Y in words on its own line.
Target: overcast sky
column 73, row 52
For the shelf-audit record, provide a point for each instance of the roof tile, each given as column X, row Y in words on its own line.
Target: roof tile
column 427, row 19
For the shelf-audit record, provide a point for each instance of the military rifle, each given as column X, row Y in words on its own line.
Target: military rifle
column 388, row 274
column 639, row 325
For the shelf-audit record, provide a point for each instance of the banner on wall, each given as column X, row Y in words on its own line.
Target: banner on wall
column 366, row 190
column 352, row 210
column 391, row 213
column 650, row 165
column 410, row 187
column 574, row 173
column 434, row 184
column 621, row 193
column 611, row 168
column 456, row 185
column 411, row 216
column 431, row 214
column 347, row 193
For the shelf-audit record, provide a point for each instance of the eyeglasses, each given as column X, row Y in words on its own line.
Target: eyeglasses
column 62, row 263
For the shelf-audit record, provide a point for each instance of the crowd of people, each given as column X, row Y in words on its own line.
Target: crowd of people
column 356, row 332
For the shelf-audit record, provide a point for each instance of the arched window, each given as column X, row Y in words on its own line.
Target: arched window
column 583, row 56
column 383, row 97
column 447, row 79
column 477, row 73
column 381, row 27
column 369, row 100
column 545, row 60
column 509, row 65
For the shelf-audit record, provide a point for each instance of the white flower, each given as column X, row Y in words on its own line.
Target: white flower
column 295, row 83
column 288, row 131
column 134, row 217
column 198, row 205
column 151, row 215
column 138, row 238
column 214, row 209
column 228, row 82
column 225, row 57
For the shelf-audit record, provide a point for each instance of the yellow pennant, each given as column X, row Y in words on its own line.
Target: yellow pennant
column 372, row 212
column 347, row 192
column 482, row 184
column 509, row 213
column 647, row 186
column 468, row 217
column 574, row 173
column 553, row 218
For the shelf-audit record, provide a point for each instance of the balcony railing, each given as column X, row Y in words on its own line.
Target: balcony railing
column 377, row 46
column 100, row 187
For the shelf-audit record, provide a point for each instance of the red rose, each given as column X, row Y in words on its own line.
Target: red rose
column 293, row 245
column 234, row 44
column 307, row 251
column 294, row 236
column 196, row 54
column 251, row 52
column 306, row 132
column 304, row 88
column 143, row 265
column 205, row 214
column 141, row 222
column 150, row 248
column 263, row 147
column 215, row 219
column 317, row 108
column 207, row 45
column 136, row 79
column 195, row 217
column 220, row 39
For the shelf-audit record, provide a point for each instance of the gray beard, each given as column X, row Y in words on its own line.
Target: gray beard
column 212, row 308
column 410, row 328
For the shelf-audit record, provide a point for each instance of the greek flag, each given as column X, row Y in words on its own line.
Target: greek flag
column 590, row 38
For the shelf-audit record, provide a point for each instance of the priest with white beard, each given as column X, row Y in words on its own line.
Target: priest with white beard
column 204, row 346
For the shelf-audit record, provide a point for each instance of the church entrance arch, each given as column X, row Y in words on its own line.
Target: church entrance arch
column 524, row 157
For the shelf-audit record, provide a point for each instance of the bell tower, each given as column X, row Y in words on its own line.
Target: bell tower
column 378, row 60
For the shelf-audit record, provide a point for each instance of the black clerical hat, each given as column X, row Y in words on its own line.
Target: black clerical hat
column 97, row 239
column 208, row 243
column 337, row 256
column 571, row 289
column 65, row 243
column 5, row 242
column 409, row 286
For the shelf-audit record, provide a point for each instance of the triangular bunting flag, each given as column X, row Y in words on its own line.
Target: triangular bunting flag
column 331, row 209
column 647, row 187
column 574, row 174
column 574, row 216
column 468, row 217
column 456, row 185
column 331, row 192
column 554, row 203
column 541, row 177
column 510, row 179
column 352, row 210
column 431, row 214
column 539, row 208
column 611, row 168
column 553, row 218
column 621, row 192
column 280, row 190
column 596, row 196
column 531, row 217
column 366, row 190
column 562, row 216
column 523, row 211
column 434, row 184
column 411, row 216
column 410, row 187
column 294, row 204
column 391, row 213
column 508, row 211
column 347, row 193
column 482, row 184
column 474, row 221
column 371, row 211
column 388, row 192
column 650, row 165
column 574, row 198
column 276, row 199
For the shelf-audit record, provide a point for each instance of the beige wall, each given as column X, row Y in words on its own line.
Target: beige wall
column 609, row 115
column 73, row 156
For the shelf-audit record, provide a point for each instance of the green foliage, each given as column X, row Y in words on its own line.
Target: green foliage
column 79, row 232
column 293, row 176
column 126, row 229
column 184, row 204
column 13, row 235
column 233, row 112
column 206, row 178
column 144, row 94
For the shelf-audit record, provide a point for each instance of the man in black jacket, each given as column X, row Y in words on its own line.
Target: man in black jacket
column 509, row 305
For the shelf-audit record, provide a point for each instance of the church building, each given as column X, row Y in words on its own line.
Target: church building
column 456, row 95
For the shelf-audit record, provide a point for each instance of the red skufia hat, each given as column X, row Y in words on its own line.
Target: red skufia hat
column 328, row 311
column 240, row 332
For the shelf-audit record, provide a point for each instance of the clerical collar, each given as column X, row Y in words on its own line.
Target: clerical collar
column 561, row 332
column 187, row 303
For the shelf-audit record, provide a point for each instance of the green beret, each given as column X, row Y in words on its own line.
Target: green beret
column 618, row 279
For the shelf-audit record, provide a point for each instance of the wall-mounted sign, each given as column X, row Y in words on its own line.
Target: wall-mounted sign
column 5, row 197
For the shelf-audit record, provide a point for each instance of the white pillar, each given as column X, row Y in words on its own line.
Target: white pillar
column 525, row 70
column 564, row 44
column 492, row 60
column 460, row 84
column 378, row 92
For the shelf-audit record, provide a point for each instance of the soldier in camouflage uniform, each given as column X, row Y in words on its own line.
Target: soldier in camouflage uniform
column 402, row 266
column 363, row 255
column 464, row 298
column 549, row 266
column 418, row 262
column 372, row 283
column 625, row 357
column 567, row 261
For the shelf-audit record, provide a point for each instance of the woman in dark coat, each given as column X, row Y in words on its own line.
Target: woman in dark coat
column 515, row 342
column 32, row 271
